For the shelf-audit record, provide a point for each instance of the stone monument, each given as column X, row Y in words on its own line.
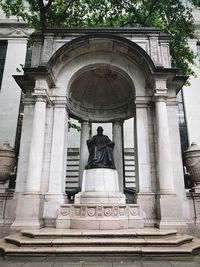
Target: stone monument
column 100, row 204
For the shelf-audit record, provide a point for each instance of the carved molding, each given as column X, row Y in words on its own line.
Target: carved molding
column 102, row 212
column 15, row 32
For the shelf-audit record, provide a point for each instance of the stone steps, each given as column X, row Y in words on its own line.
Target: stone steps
column 141, row 242
column 72, row 174
column 79, row 233
column 23, row 241
column 129, row 167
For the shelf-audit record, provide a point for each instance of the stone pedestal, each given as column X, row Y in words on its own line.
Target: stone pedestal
column 99, row 205
column 100, row 186
column 29, row 212
column 100, row 180
column 7, row 216
column 194, row 198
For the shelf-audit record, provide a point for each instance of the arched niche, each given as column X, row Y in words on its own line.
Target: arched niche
column 101, row 92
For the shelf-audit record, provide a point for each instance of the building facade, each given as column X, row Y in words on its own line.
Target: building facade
column 144, row 130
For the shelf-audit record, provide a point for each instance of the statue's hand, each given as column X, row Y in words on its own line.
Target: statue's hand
column 111, row 144
column 101, row 146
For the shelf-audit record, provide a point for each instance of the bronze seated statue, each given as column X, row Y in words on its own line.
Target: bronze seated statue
column 100, row 149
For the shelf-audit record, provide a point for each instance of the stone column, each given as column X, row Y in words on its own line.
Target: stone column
column 169, row 208
column 25, row 142
column 33, row 181
column 29, row 209
column 145, row 196
column 85, row 135
column 142, row 147
column 57, row 178
column 164, row 159
column 118, row 151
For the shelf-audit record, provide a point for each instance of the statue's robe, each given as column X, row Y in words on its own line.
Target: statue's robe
column 100, row 149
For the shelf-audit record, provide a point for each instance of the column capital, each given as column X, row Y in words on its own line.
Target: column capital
column 118, row 121
column 60, row 102
column 142, row 102
column 41, row 96
column 160, row 98
column 85, row 122
column 29, row 101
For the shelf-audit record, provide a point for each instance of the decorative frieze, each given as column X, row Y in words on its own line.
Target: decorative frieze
column 97, row 211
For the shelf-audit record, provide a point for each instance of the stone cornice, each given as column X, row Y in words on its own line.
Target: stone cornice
column 110, row 30
column 27, row 81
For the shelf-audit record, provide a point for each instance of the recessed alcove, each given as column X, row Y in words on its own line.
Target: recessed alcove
column 101, row 93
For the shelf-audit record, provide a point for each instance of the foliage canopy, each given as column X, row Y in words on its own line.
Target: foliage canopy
column 170, row 16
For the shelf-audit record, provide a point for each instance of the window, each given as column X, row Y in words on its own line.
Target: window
column 182, row 122
column 198, row 53
column 3, row 48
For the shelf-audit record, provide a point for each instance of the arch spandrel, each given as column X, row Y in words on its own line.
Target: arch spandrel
column 100, row 42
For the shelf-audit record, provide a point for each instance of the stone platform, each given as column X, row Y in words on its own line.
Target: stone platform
column 137, row 242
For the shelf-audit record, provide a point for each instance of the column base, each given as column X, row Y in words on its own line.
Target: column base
column 99, row 216
column 51, row 205
column 169, row 212
column 195, row 205
column 146, row 201
column 29, row 212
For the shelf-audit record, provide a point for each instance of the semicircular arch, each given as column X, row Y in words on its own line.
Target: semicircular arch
column 100, row 78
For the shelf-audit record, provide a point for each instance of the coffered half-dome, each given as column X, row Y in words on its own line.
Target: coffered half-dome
column 101, row 93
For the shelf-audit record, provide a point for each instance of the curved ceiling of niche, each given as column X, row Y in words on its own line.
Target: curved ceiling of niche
column 101, row 88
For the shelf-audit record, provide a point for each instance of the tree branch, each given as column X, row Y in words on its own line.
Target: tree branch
column 48, row 5
column 153, row 5
column 136, row 18
column 64, row 11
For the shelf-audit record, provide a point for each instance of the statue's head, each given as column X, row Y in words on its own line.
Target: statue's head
column 100, row 130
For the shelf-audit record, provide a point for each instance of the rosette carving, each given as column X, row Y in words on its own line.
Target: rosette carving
column 65, row 211
column 108, row 212
column 134, row 211
column 91, row 212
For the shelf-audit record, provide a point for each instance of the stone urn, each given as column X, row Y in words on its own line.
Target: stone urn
column 7, row 161
column 192, row 161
